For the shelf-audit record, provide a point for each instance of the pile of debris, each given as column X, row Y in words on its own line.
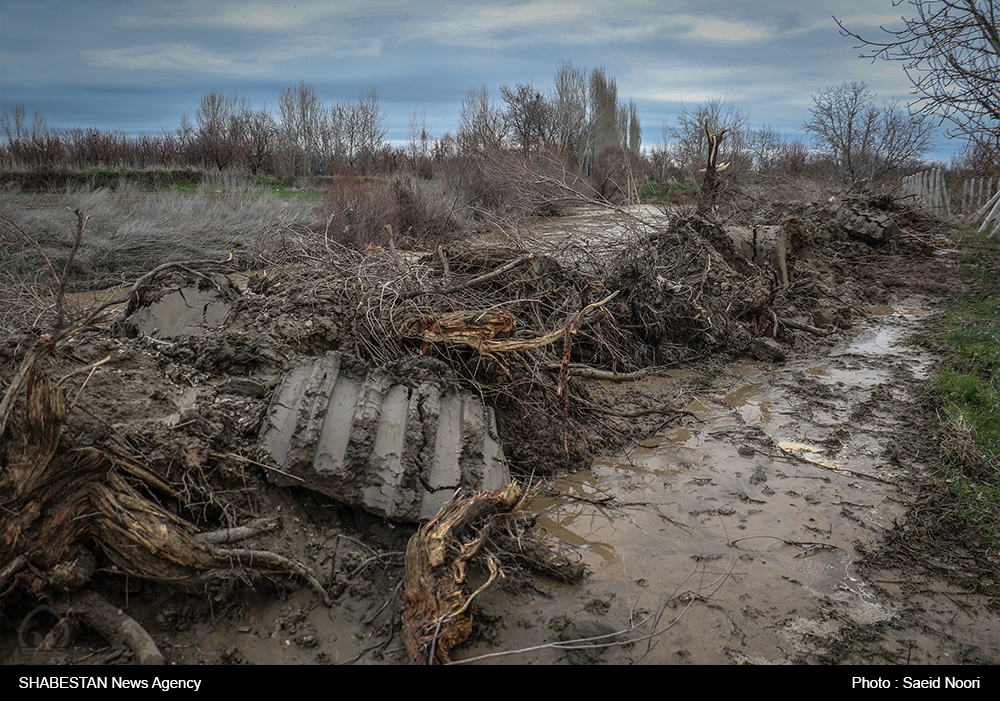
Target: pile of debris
column 412, row 387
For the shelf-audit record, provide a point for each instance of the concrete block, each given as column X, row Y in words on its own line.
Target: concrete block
column 766, row 246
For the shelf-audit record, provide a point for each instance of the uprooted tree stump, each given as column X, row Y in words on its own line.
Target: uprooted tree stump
column 436, row 606
column 53, row 499
column 56, row 504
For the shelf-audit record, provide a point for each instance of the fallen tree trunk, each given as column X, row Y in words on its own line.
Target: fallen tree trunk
column 804, row 327
column 477, row 329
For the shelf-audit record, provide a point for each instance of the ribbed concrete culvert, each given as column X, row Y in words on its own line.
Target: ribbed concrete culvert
column 397, row 440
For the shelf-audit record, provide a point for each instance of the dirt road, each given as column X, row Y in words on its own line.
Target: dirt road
column 736, row 537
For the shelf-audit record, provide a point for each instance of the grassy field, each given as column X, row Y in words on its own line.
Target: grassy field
column 134, row 225
column 188, row 181
column 968, row 387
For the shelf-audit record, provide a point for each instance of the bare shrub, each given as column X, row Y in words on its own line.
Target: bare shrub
column 426, row 211
column 25, row 283
column 357, row 210
column 503, row 190
column 615, row 174
column 981, row 160
column 226, row 182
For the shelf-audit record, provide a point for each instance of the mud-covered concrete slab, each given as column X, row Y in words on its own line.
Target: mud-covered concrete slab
column 397, row 441
column 762, row 245
column 188, row 310
column 871, row 226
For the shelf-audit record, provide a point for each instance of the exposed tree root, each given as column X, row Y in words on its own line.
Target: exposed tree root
column 115, row 626
column 51, row 499
column 436, row 607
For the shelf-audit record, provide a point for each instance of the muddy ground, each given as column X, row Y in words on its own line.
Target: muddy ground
column 758, row 495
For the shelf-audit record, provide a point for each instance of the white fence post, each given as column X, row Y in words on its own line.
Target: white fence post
column 980, row 196
column 975, row 193
column 993, row 207
column 928, row 190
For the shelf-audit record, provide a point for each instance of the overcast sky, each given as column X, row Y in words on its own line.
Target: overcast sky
column 139, row 65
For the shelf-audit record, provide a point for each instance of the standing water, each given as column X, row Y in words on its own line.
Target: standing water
column 735, row 536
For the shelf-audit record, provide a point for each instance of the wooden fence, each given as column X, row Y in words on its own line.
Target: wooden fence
column 974, row 199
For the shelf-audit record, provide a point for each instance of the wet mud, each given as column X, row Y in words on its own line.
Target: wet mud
column 732, row 537
column 736, row 537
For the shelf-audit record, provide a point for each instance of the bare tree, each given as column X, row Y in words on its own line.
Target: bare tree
column 445, row 147
column 866, row 141
column 259, row 132
column 842, row 121
column 902, row 138
column 36, row 147
column 12, row 123
column 765, row 146
column 569, row 106
column 218, row 139
column 689, row 140
column 528, row 116
column 794, row 159
column 304, row 124
column 480, row 123
column 950, row 50
column 419, row 140
column 215, row 111
column 371, row 124
column 185, row 132
column 660, row 156
column 341, row 137
column 94, row 148
column 634, row 129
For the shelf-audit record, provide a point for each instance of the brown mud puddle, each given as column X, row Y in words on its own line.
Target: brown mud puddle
column 735, row 536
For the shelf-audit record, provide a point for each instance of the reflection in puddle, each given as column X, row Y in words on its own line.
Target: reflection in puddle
column 682, row 436
column 184, row 311
column 874, row 342
column 749, row 403
column 807, row 452
column 579, row 517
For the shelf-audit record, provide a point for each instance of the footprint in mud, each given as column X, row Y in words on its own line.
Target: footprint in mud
column 598, row 607
column 589, row 633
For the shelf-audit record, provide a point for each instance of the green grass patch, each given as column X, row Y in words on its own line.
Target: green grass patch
column 665, row 193
column 969, row 387
column 303, row 189
column 60, row 180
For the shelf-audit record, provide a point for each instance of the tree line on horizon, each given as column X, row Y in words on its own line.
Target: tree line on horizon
column 580, row 114
column 579, row 121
